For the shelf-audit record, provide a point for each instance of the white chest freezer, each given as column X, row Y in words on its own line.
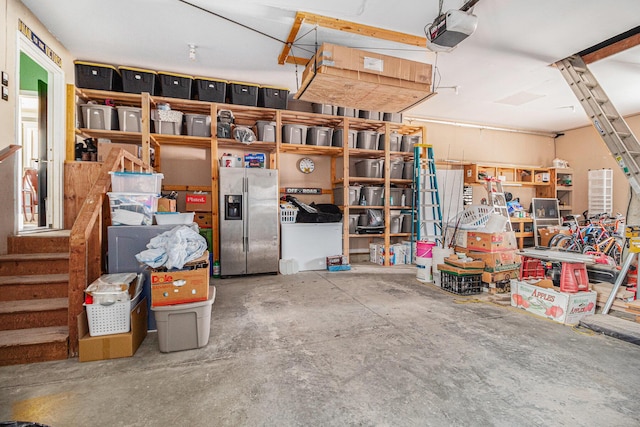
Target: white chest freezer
column 310, row 244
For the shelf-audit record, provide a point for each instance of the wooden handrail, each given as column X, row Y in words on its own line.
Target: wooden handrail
column 6, row 152
column 86, row 243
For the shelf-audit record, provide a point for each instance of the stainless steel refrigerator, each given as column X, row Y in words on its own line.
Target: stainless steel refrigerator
column 249, row 218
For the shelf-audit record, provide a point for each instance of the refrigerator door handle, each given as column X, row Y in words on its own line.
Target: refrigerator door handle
column 245, row 239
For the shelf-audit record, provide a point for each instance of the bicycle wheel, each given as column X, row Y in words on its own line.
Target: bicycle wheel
column 615, row 251
column 568, row 243
column 588, row 248
column 555, row 239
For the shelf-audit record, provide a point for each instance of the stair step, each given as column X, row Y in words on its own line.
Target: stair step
column 22, row 346
column 48, row 241
column 36, row 263
column 38, row 313
column 35, row 286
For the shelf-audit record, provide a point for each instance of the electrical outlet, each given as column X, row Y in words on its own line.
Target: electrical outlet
column 5, row 78
column 5, row 93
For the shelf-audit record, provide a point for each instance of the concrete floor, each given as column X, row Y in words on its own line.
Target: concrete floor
column 368, row 347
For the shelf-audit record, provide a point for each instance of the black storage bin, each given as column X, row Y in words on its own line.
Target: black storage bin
column 138, row 80
column 90, row 75
column 175, row 85
column 242, row 93
column 210, row 90
column 272, row 97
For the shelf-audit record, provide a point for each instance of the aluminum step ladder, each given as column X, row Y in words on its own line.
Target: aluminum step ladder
column 609, row 123
column 498, row 201
column 429, row 212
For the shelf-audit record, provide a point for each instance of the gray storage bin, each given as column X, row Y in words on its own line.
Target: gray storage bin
column 395, row 197
column 395, row 224
column 294, row 134
column 323, row 109
column 184, row 326
column 367, row 140
column 373, row 196
column 266, row 131
column 99, row 117
column 408, row 196
column 338, row 139
column 168, row 122
column 370, row 115
column 198, row 125
column 407, row 170
column 130, row 118
column 392, row 117
column 406, row 223
column 395, row 169
column 369, row 168
column 394, row 141
column 363, row 219
column 354, row 220
column 408, row 141
column 347, row 112
column 319, row 135
column 354, row 195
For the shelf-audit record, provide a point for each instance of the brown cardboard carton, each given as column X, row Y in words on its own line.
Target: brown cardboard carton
column 198, row 202
column 497, row 261
column 491, row 242
column 204, row 220
column 116, row 345
column 166, row 205
column 191, row 284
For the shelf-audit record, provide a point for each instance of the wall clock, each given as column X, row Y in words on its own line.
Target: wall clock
column 306, row 165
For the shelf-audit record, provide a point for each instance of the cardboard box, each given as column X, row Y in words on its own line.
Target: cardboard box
column 113, row 346
column 166, row 205
column 105, row 147
column 191, row 284
column 546, row 234
column 497, row 261
column 561, row 307
column 542, row 177
column 203, row 219
column 491, row 242
column 198, row 202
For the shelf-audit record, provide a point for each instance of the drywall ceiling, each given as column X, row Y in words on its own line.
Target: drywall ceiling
column 502, row 71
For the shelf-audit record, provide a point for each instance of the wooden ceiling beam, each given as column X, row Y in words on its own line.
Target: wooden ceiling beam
column 346, row 26
column 612, row 46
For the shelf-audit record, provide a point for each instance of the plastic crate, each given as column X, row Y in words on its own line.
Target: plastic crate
column 175, row 85
column 272, row 97
column 242, row 93
column 473, row 217
column 210, row 90
column 288, row 216
column 138, row 80
column 531, row 268
column 90, row 75
column 136, row 182
column 109, row 319
column 132, row 208
column 461, row 284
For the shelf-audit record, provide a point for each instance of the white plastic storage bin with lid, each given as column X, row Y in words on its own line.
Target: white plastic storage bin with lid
column 369, row 168
column 198, row 125
column 132, row 208
column 130, row 118
column 165, row 218
column 338, row 138
column 102, row 117
column 136, row 182
column 319, row 135
column 184, row 326
column 354, row 195
column 294, row 134
column 367, row 140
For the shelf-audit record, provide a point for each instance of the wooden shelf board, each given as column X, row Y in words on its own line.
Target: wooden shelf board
column 371, row 235
column 113, row 135
column 362, row 153
column 311, row 149
column 400, row 235
column 120, row 98
column 401, row 181
column 254, row 146
column 190, row 141
column 356, row 179
column 365, row 207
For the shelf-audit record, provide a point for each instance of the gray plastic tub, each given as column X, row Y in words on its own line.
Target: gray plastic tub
column 99, row 117
column 367, row 140
column 406, row 223
column 323, row 109
column 266, row 131
column 369, row 168
column 407, row 170
column 338, row 139
column 408, row 196
column 408, row 141
column 198, row 124
column 354, row 195
column 392, row 117
column 319, row 135
column 395, row 225
column 370, row 115
column 347, row 112
column 130, row 118
column 395, row 168
column 394, row 141
column 353, row 222
column 294, row 134
column 373, row 196
column 395, row 197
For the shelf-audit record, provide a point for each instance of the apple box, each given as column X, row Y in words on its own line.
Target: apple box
column 562, row 307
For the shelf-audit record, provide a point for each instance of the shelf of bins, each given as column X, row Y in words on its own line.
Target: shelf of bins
column 304, row 149
column 120, row 98
column 113, row 135
column 520, row 175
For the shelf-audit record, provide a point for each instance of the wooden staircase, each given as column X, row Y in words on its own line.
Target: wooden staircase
column 34, row 283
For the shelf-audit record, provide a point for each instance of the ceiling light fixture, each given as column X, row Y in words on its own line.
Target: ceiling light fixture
column 192, row 52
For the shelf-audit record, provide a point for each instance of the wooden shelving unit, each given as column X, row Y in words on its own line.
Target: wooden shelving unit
column 248, row 116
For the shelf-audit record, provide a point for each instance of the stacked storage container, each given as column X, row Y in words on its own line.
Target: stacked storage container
column 174, row 85
column 138, row 80
column 134, row 197
column 90, row 75
column 210, row 90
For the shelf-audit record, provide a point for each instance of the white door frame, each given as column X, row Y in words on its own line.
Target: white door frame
column 56, row 110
